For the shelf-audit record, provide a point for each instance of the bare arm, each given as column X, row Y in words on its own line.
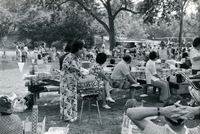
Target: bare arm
column 156, row 75
column 129, row 77
column 102, row 75
column 197, row 58
column 138, row 115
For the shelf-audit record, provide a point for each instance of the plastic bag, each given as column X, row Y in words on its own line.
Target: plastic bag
column 19, row 105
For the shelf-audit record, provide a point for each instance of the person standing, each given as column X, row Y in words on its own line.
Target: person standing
column 27, row 51
column 23, row 54
column 18, row 53
column 195, row 56
column 163, row 52
column 69, row 77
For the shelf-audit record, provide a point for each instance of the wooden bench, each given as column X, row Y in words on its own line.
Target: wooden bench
column 145, row 87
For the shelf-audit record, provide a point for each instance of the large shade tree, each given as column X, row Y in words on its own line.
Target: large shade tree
column 99, row 9
column 49, row 26
column 192, row 22
column 5, row 22
column 149, row 9
column 167, row 10
column 8, row 16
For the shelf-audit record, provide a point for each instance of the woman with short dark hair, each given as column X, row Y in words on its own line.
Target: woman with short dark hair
column 69, row 76
column 103, row 80
column 155, row 80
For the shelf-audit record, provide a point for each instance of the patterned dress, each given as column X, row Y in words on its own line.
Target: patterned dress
column 94, row 70
column 68, row 87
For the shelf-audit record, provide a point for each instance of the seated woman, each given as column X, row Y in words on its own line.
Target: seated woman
column 97, row 69
column 9, row 123
column 155, row 80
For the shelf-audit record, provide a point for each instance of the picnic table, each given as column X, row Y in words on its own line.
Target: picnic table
column 42, row 82
column 139, row 73
column 49, row 82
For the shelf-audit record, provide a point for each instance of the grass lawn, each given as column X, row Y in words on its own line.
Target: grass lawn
column 11, row 80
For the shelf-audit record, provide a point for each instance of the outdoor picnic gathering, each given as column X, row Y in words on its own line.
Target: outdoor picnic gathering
column 99, row 67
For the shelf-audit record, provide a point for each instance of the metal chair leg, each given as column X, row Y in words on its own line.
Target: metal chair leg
column 89, row 100
column 154, row 90
column 81, row 112
column 99, row 112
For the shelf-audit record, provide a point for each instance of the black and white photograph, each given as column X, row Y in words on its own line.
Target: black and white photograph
column 99, row 66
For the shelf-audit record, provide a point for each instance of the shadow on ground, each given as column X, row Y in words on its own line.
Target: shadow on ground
column 112, row 119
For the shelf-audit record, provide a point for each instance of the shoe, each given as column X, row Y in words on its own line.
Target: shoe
column 110, row 99
column 143, row 95
column 73, row 120
column 106, row 106
column 136, row 86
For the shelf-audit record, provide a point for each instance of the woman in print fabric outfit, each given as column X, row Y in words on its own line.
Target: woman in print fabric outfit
column 102, row 79
column 70, row 74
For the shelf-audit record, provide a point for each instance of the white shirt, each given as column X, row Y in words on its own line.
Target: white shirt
column 163, row 53
column 150, row 71
column 195, row 64
column 26, row 48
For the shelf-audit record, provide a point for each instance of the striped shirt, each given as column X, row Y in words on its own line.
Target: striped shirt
column 10, row 124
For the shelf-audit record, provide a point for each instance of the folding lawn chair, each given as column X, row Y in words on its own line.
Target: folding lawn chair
column 193, row 90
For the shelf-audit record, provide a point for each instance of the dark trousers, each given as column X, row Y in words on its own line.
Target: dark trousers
column 23, row 58
column 194, row 71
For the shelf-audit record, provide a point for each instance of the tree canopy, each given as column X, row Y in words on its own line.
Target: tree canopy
column 64, row 20
column 152, row 11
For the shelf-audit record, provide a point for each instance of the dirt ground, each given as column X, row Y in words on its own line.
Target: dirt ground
column 11, row 80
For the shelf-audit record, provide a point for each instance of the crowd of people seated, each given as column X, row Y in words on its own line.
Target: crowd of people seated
column 122, row 78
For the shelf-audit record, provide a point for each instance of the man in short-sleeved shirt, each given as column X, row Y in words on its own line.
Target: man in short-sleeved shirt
column 120, row 71
column 122, row 78
column 195, row 56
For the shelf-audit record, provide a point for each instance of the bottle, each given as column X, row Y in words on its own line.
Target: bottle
column 27, row 126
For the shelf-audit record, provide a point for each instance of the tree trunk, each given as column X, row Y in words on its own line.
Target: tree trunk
column 112, row 34
column 180, row 32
